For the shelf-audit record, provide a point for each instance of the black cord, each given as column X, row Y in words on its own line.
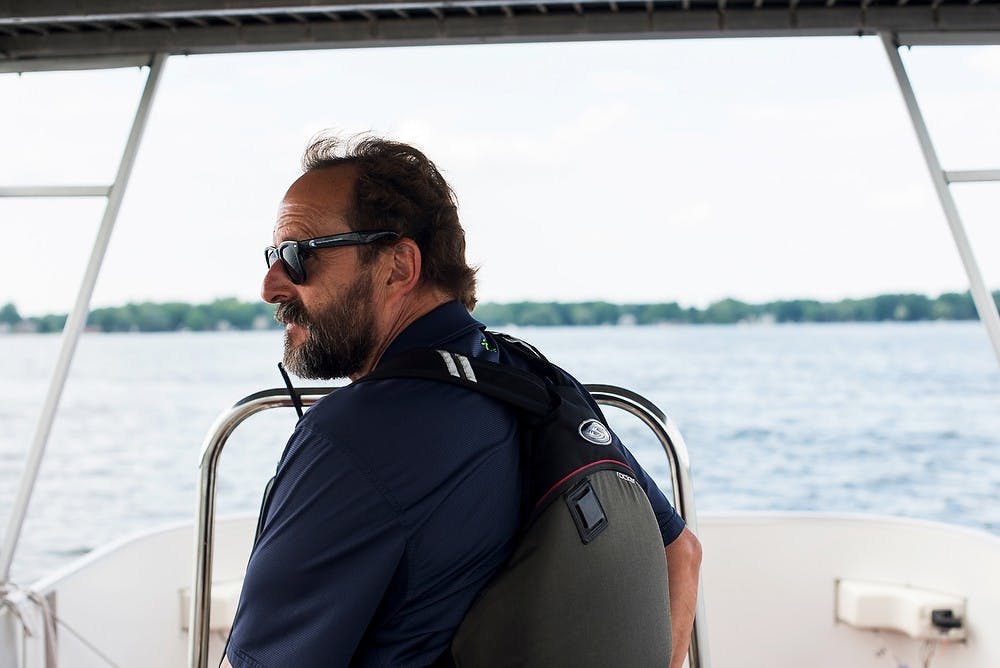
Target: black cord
column 296, row 401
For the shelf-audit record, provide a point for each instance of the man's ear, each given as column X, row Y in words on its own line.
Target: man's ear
column 404, row 270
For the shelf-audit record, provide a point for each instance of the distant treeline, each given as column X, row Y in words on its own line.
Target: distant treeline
column 905, row 307
column 224, row 314
column 221, row 314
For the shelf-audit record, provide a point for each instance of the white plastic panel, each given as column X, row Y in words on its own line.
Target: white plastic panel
column 917, row 613
column 225, row 599
column 770, row 587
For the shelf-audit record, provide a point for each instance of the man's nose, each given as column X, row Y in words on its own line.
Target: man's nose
column 276, row 287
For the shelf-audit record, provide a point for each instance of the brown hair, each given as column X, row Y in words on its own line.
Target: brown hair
column 398, row 188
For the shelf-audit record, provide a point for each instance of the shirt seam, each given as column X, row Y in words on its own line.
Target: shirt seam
column 383, row 493
column 362, row 468
column 244, row 658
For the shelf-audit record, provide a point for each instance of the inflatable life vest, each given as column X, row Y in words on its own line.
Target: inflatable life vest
column 586, row 584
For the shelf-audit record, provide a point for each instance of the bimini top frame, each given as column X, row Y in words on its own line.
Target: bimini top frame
column 58, row 34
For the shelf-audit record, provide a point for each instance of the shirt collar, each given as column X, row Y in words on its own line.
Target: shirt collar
column 448, row 321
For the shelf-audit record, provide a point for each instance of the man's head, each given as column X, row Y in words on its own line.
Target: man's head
column 352, row 301
column 399, row 189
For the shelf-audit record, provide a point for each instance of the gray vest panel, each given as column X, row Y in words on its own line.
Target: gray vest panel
column 560, row 602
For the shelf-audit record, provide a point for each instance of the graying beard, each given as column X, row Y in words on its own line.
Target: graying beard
column 328, row 354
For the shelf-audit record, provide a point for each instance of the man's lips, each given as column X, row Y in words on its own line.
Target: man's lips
column 291, row 315
column 295, row 332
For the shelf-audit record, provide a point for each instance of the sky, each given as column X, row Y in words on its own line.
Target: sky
column 644, row 171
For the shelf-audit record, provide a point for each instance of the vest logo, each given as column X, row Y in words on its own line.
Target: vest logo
column 594, row 432
column 626, row 478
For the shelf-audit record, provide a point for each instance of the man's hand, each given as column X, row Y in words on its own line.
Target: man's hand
column 683, row 564
column 225, row 662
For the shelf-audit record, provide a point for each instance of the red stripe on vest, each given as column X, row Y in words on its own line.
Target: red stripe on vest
column 582, row 468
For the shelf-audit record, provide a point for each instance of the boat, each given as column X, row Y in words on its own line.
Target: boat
column 806, row 589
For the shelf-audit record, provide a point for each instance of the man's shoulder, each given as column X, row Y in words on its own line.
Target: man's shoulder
column 393, row 415
column 383, row 398
column 411, row 439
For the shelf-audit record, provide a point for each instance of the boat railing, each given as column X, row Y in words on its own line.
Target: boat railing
column 663, row 429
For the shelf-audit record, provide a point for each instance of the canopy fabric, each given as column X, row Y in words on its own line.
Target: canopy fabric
column 38, row 34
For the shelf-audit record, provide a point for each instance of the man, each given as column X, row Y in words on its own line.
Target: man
column 396, row 500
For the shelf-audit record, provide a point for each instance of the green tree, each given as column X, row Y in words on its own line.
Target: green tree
column 788, row 311
column 917, row 307
column 727, row 311
column 9, row 315
column 107, row 320
column 196, row 320
column 239, row 315
column 954, row 306
column 50, row 323
column 647, row 314
column 890, row 307
column 545, row 315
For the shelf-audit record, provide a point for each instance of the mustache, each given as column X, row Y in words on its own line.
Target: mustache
column 291, row 313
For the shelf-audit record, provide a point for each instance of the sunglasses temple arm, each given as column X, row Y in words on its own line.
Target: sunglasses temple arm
column 292, row 392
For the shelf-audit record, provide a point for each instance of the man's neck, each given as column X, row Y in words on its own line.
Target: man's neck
column 414, row 307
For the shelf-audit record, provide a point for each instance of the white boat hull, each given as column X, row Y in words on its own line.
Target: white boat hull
column 770, row 583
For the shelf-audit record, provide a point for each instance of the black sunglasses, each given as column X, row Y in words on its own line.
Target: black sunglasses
column 292, row 253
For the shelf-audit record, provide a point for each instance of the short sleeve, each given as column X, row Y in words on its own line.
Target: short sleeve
column 670, row 521
column 329, row 547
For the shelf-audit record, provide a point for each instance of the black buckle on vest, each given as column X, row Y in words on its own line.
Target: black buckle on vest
column 587, row 512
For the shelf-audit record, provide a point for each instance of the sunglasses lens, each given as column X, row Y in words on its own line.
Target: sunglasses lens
column 293, row 263
column 288, row 254
column 270, row 256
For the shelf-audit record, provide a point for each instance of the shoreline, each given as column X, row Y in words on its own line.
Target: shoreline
column 513, row 326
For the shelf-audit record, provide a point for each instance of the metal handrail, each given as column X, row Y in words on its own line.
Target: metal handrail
column 211, row 449
column 608, row 395
column 673, row 445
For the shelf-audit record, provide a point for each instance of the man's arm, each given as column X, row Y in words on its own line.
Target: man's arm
column 328, row 551
column 683, row 564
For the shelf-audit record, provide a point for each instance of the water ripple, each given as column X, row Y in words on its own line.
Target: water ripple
column 897, row 419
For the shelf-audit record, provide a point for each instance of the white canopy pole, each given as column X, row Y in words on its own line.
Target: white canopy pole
column 982, row 298
column 76, row 321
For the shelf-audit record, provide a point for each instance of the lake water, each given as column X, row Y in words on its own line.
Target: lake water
column 900, row 419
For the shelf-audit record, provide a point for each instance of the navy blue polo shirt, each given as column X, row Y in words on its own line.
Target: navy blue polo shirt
column 394, row 503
